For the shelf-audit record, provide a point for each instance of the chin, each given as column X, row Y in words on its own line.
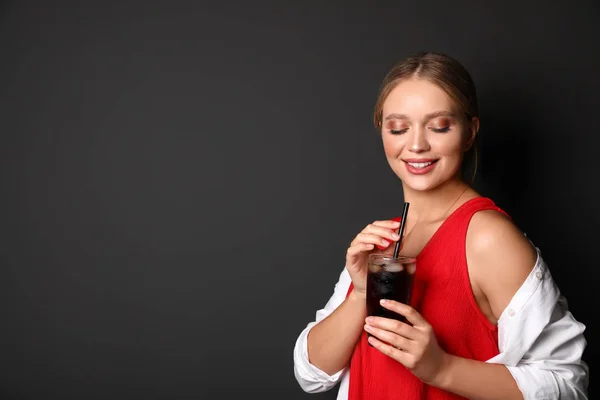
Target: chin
column 422, row 186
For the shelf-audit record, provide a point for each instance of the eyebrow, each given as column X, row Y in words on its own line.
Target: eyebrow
column 427, row 117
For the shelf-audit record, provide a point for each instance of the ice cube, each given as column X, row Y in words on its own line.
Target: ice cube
column 374, row 268
column 394, row 267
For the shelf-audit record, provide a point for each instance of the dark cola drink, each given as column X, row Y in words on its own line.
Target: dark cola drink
column 389, row 278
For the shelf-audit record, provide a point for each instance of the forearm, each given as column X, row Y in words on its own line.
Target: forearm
column 332, row 341
column 477, row 380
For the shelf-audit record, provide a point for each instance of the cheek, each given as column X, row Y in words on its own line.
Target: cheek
column 391, row 145
column 450, row 146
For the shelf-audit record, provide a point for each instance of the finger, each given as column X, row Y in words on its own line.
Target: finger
column 392, row 325
column 390, row 224
column 405, row 310
column 401, row 356
column 389, row 234
column 391, row 338
column 384, row 232
column 359, row 248
column 389, row 249
column 370, row 238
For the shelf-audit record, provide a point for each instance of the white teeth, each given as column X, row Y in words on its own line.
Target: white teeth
column 420, row 165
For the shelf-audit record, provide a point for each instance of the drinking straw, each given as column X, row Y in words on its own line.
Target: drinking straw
column 401, row 230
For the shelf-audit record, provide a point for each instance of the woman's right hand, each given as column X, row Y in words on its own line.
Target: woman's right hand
column 379, row 233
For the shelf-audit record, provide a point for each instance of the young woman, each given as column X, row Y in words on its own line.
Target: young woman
column 486, row 320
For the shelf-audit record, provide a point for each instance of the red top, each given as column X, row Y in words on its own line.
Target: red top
column 442, row 294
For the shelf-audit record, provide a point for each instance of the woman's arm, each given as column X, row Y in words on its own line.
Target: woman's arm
column 541, row 343
column 545, row 354
column 326, row 347
column 499, row 259
column 477, row 380
column 332, row 341
column 417, row 349
column 311, row 378
column 505, row 266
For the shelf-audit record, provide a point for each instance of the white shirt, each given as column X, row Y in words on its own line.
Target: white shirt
column 540, row 343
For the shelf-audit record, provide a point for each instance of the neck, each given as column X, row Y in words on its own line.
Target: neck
column 433, row 204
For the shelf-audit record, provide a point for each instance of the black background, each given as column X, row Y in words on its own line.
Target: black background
column 180, row 180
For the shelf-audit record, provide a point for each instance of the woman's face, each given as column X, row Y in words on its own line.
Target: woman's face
column 424, row 134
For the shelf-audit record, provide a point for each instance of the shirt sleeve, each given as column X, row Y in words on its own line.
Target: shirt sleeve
column 311, row 378
column 540, row 341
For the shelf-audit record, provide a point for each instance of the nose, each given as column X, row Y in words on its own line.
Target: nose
column 418, row 142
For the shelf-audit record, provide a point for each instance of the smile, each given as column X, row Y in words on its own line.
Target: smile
column 420, row 167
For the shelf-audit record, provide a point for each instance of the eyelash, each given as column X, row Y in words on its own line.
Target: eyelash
column 441, row 130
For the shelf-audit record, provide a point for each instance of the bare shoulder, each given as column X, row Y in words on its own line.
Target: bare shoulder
column 499, row 257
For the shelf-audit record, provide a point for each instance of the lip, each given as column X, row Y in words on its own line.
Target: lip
column 420, row 171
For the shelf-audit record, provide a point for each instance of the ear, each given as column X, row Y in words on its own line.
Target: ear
column 472, row 133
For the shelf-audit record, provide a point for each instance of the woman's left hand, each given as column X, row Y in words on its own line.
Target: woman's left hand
column 415, row 346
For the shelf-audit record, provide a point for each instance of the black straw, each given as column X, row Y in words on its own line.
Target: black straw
column 401, row 230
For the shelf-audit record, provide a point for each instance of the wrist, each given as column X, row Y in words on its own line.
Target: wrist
column 358, row 296
column 443, row 378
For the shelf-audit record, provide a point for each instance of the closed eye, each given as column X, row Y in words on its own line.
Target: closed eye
column 398, row 131
column 441, row 130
